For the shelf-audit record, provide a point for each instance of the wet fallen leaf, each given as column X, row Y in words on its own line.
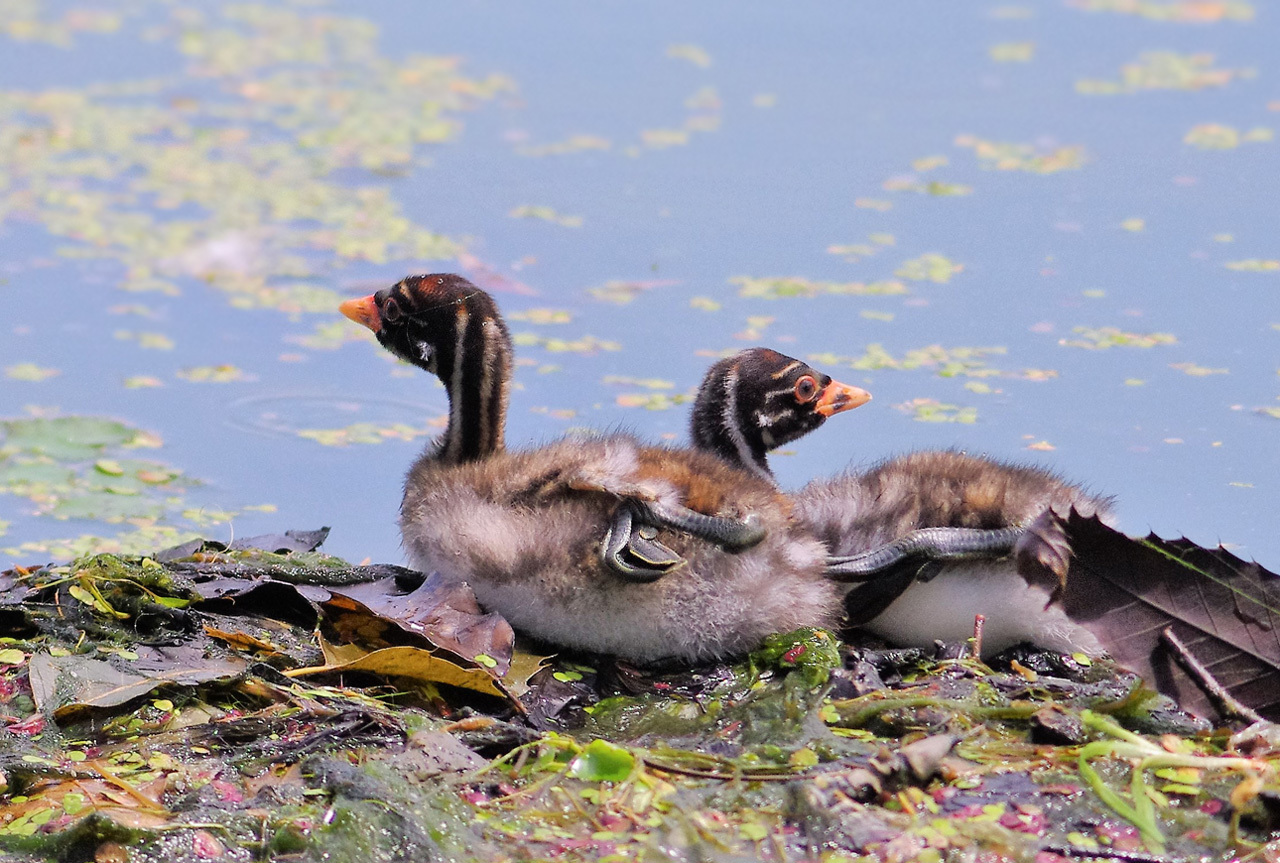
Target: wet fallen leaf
column 63, row 685
column 435, row 613
column 243, row 641
column 1223, row 608
column 411, row 662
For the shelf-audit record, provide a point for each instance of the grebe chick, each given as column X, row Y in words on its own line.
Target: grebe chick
column 594, row 543
column 937, row 536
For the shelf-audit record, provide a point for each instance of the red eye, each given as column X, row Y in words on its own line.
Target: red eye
column 390, row 310
column 806, row 389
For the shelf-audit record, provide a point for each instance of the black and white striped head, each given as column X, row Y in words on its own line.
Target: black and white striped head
column 425, row 320
column 444, row 324
column 758, row 400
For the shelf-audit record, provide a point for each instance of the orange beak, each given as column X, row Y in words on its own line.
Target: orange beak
column 363, row 311
column 838, row 397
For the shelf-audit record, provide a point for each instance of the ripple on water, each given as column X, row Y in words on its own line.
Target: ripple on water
column 338, row 420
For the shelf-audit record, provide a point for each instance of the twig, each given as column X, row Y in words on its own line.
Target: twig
column 322, row 576
column 979, row 620
column 1103, row 851
column 148, row 804
column 727, row 776
column 1230, row 706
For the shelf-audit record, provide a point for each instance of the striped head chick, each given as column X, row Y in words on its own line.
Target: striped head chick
column 758, row 400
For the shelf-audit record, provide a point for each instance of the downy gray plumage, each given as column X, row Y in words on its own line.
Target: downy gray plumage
column 530, row 530
column 1017, row 553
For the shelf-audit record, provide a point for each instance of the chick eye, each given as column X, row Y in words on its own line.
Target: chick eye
column 391, row 310
column 806, row 389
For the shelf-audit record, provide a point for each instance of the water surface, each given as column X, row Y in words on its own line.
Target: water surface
column 1044, row 231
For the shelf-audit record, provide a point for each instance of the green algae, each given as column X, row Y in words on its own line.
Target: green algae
column 1164, row 70
column 814, row 653
column 777, row 287
column 265, row 206
column 76, row 467
column 930, row 267
column 1188, row 11
column 85, row 469
column 1027, row 158
column 1102, row 338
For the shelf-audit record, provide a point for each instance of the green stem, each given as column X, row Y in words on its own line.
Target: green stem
column 1145, row 809
column 1139, row 815
column 875, row 707
column 1143, row 755
column 1106, row 725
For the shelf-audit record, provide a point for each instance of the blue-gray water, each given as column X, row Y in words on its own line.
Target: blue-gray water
column 187, row 191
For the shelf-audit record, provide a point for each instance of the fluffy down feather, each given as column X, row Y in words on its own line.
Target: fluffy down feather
column 523, row 528
column 946, row 488
column 934, row 488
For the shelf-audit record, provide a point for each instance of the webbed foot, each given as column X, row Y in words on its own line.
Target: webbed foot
column 633, row 551
column 1043, row 552
column 733, row 534
column 926, row 543
column 631, row 547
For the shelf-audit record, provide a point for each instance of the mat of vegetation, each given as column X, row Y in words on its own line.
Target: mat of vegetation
column 268, row 702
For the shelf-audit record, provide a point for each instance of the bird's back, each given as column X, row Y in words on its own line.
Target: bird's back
column 936, row 488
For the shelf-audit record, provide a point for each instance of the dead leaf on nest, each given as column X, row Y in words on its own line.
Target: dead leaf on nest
column 436, row 613
column 242, row 641
column 412, row 662
column 65, row 684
